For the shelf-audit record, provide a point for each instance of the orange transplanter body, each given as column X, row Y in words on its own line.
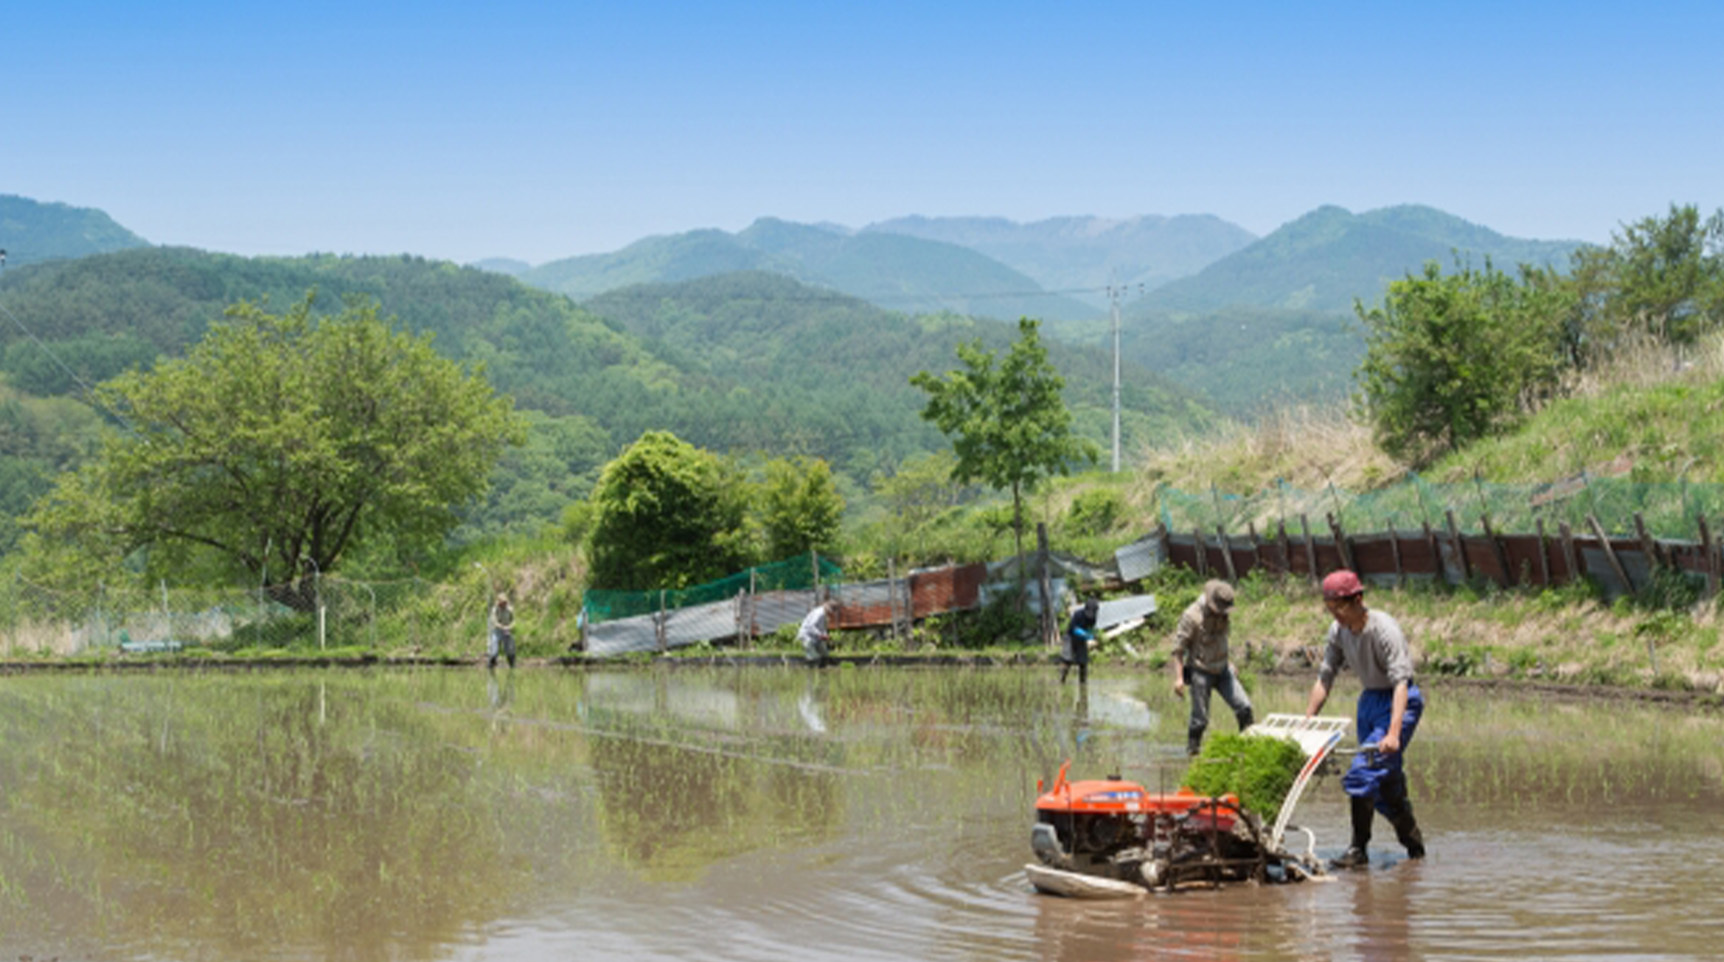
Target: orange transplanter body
column 1116, row 830
column 1116, row 797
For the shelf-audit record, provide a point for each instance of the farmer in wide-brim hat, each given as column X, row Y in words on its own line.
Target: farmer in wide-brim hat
column 1201, row 659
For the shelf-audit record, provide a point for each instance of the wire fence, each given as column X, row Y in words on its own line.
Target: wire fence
column 322, row 612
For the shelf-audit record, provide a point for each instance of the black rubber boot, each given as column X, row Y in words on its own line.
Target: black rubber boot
column 1244, row 718
column 1407, row 830
column 1193, row 741
column 1357, row 855
column 1400, row 815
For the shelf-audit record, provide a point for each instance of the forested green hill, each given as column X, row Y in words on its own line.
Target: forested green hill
column 846, row 364
column 897, row 272
column 32, row 231
column 741, row 363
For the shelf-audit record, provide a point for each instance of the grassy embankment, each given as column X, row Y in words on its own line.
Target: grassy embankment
column 1664, row 413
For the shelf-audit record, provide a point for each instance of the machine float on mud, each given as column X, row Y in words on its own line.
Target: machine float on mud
column 1111, row 838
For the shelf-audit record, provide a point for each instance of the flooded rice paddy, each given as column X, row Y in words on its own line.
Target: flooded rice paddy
column 777, row 813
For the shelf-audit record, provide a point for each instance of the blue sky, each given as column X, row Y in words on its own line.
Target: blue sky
column 540, row 131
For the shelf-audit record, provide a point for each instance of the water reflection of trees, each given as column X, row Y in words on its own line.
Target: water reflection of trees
column 241, row 816
column 671, row 810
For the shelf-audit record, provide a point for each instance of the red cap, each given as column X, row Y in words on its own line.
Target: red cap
column 1342, row 584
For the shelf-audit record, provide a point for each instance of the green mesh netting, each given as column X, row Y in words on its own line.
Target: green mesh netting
column 794, row 574
column 1669, row 509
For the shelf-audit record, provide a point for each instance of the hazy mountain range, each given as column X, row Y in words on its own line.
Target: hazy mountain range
column 1083, row 255
column 895, row 271
column 1237, row 319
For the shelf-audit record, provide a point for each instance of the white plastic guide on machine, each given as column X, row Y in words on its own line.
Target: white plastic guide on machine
column 1317, row 738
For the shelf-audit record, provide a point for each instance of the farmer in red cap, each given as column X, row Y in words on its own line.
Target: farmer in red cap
column 1389, row 709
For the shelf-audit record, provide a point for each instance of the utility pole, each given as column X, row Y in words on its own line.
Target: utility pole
column 1113, row 299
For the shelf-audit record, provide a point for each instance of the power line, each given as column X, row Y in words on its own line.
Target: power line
column 88, row 391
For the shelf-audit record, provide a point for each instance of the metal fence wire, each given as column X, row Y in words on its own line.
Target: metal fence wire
column 327, row 612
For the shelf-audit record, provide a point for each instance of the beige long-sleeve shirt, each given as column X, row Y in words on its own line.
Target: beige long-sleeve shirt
column 1200, row 638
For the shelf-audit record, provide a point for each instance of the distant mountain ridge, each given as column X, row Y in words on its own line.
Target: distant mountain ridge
column 1085, row 253
column 1325, row 259
column 32, row 231
column 1274, row 323
column 896, row 272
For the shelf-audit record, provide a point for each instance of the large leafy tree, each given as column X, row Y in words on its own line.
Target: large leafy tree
column 1452, row 358
column 1009, row 426
column 667, row 514
column 279, row 445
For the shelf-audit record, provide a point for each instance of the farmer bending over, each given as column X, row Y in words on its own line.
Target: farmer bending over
column 1200, row 659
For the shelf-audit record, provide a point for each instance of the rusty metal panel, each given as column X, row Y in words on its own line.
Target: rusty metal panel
column 932, row 592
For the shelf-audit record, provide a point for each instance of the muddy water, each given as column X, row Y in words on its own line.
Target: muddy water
column 770, row 814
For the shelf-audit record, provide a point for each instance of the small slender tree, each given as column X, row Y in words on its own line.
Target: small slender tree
column 1009, row 426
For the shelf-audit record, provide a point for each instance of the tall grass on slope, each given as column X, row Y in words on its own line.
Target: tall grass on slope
column 1660, row 408
column 1305, row 446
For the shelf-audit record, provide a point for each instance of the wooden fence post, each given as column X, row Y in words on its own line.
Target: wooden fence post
column 1497, row 549
column 1310, row 548
column 659, row 626
column 1710, row 553
column 892, row 596
column 1256, row 545
column 1654, row 557
column 1459, row 545
column 1286, row 549
column 1570, row 556
column 1395, row 549
column 1436, row 553
column 1202, row 551
column 1610, row 554
column 1543, row 555
column 1342, row 546
column 1227, row 555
